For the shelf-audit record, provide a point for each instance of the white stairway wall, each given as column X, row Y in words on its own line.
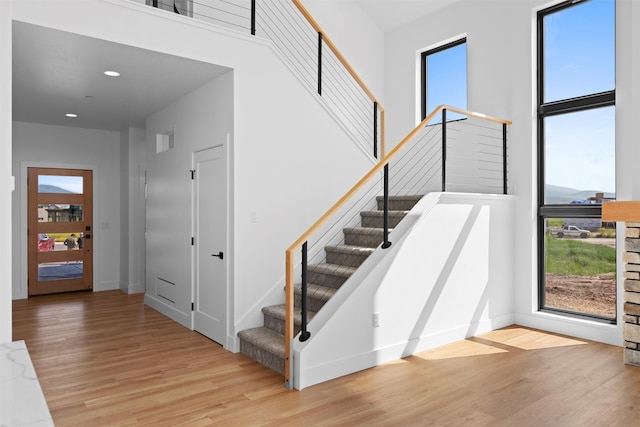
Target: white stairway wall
column 448, row 275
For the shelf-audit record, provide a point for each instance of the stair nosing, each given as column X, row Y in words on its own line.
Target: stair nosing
column 350, row 249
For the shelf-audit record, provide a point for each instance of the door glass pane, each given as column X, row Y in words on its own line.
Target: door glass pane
column 446, row 73
column 580, row 266
column 579, row 50
column 60, row 184
column 48, row 242
column 60, row 213
column 63, row 270
column 580, row 157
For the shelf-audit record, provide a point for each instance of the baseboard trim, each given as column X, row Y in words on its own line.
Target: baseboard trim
column 180, row 317
column 322, row 372
column 132, row 288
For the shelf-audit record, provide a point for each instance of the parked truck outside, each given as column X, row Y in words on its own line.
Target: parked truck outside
column 569, row 231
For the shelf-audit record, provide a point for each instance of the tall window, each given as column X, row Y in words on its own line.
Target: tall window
column 444, row 76
column 576, row 158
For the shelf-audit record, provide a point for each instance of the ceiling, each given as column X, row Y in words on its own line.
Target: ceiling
column 391, row 14
column 55, row 73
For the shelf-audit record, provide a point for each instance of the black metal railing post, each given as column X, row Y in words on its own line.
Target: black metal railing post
column 319, row 63
column 304, row 334
column 386, row 243
column 375, row 129
column 253, row 17
column 504, row 158
column 444, row 149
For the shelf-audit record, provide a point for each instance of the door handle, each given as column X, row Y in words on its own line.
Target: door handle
column 219, row 255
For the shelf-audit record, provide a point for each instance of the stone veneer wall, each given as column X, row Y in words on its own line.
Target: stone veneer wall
column 631, row 326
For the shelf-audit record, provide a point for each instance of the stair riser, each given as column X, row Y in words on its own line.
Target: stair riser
column 378, row 221
column 349, row 260
column 277, row 325
column 364, row 240
column 313, row 304
column 262, row 356
column 325, row 279
column 398, row 205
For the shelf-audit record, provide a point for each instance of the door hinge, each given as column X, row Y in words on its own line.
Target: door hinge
column 193, row 241
column 192, row 306
column 193, row 174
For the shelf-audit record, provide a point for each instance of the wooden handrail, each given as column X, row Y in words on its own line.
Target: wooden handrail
column 289, row 253
column 326, row 40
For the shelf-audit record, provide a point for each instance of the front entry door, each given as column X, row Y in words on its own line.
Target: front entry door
column 210, row 221
column 59, row 230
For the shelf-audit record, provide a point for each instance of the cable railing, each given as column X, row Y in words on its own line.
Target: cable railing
column 464, row 154
column 468, row 154
column 310, row 52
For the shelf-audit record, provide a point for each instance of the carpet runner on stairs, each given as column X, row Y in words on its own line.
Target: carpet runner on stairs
column 266, row 344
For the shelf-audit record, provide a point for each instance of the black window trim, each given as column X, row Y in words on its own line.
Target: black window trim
column 423, row 70
column 557, row 107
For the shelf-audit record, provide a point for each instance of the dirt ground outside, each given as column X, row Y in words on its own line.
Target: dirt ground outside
column 585, row 294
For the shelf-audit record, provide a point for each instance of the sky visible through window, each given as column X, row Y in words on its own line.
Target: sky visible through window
column 447, row 79
column 580, row 60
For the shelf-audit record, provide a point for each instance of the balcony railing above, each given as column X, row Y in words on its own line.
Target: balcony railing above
column 310, row 52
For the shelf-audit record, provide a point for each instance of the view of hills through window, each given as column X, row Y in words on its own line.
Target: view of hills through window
column 576, row 116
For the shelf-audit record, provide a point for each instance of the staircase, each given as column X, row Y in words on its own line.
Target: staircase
column 266, row 344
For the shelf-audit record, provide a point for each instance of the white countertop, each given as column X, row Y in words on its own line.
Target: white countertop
column 22, row 402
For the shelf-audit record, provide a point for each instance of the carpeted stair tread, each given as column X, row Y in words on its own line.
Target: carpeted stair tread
column 264, row 338
column 316, row 291
column 370, row 237
column 350, row 249
column 399, row 202
column 279, row 312
column 332, row 269
column 379, row 214
column 376, row 218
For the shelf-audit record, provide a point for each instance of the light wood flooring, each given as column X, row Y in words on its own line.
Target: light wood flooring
column 105, row 359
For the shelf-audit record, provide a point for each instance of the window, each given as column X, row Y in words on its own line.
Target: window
column 444, row 77
column 576, row 158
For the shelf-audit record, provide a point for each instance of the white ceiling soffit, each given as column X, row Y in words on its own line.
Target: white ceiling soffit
column 56, row 72
column 391, row 14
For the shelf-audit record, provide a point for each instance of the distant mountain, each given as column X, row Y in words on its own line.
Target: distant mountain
column 45, row 188
column 565, row 195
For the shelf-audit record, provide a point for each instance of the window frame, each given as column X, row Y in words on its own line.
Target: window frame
column 549, row 109
column 423, row 71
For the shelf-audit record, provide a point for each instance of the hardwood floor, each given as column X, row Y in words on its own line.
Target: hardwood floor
column 105, row 359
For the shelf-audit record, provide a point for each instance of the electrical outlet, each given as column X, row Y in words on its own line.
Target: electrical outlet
column 376, row 320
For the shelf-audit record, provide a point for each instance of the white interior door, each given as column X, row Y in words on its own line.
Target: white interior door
column 210, row 206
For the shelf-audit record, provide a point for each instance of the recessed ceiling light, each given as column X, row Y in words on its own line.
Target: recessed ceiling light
column 112, row 73
column 72, row 115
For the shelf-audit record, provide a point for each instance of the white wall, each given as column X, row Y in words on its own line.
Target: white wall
column 501, row 82
column 448, row 275
column 199, row 120
column 6, row 180
column 41, row 145
column 359, row 39
column 132, row 210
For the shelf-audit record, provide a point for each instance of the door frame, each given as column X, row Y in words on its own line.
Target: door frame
column 229, row 343
column 23, row 291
